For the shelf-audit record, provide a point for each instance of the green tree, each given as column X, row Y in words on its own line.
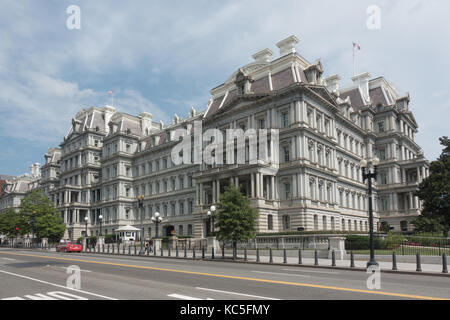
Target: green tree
column 38, row 211
column 434, row 191
column 235, row 218
column 50, row 226
column 9, row 221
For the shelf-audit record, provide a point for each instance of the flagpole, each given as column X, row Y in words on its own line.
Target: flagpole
column 353, row 59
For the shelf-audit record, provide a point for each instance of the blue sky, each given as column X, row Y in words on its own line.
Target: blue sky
column 164, row 56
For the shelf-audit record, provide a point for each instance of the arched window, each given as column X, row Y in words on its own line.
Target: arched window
column 180, row 230
column 316, row 222
column 332, row 224
column 324, row 223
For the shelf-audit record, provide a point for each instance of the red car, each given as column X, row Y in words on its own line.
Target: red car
column 67, row 246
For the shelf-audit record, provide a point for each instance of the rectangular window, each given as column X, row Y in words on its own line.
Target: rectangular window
column 285, row 120
column 381, row 126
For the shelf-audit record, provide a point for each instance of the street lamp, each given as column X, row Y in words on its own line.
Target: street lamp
column 140, row 202
column 86, row 220
column 210, row 215
column 100, row 217
column 32, row 223
column 156, row 219
column 369, row 176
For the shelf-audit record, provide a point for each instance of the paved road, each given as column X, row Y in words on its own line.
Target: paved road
column 29, row 274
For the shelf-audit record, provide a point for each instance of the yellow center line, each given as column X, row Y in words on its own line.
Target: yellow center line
column 235, row 277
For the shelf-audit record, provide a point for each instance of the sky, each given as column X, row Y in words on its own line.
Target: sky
column 164, row 57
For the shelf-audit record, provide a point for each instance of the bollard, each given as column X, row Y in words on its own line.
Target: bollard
column 162, row 251
column 193, row 253
column 118, row 248
column 223, row 250
column 333, row 259
column 103, row 248
column 135, row 249
column 169, row 253
column 257, row 255
column 394, row 261
column 123, row 249
column 316, row 258
column 154, row 251
column 352, row 260
column 300, row 256
column 212, row 253
column 113, row 249
column 419, row 268
column 245, row 254
column 129, row 250
column 203, row 252
column 444, row 263
column 270, row 256
column 284, row 256
column 234, row 253
column 176, row 251
column 185, row 251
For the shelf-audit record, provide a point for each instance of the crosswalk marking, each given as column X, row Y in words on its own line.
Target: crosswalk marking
column 183, row 297
column 53, row 295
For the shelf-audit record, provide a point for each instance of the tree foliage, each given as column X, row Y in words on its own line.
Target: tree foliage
column 50, row 226
column 36, row 213
column 434, row 191
column 235, row 218
column 9, row 221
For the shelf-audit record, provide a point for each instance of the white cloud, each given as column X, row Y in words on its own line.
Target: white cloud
column 175, row 52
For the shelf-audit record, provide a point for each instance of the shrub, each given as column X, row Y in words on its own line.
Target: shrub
column 354, row 242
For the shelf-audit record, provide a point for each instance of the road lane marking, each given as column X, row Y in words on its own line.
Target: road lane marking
column 54, row 295
column 312, row 271
column 67, row 268
column 236, row 293
column 57, row 285
column 284, row 274
column 182, row 297
column 299, row 284
column 9, row 259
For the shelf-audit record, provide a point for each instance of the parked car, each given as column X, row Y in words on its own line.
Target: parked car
column 67, row 246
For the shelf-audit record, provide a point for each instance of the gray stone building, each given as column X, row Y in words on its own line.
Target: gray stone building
column 310, row 180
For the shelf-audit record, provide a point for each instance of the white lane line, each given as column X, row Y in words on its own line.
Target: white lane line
column 9, row 259
column 312, row 271
column 67, row 268
column 284, row 274
column 182, row 297
column 57, row 285
column 236, row 293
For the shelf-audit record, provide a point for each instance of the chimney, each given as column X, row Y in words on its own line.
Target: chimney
column 362, row 82
column 287, row 45
column 109, row 111
column 262, row 56
column 332, row 82
column 37, row 171
column 146, row 123
column 175, row 119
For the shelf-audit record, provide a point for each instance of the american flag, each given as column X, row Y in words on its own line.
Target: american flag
column 356, row 45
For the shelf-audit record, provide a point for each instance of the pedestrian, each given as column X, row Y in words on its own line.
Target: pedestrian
column 150, row 246
column 146, row 246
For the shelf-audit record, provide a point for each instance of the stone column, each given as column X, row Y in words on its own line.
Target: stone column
column 272, row 185
column 252, row 185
